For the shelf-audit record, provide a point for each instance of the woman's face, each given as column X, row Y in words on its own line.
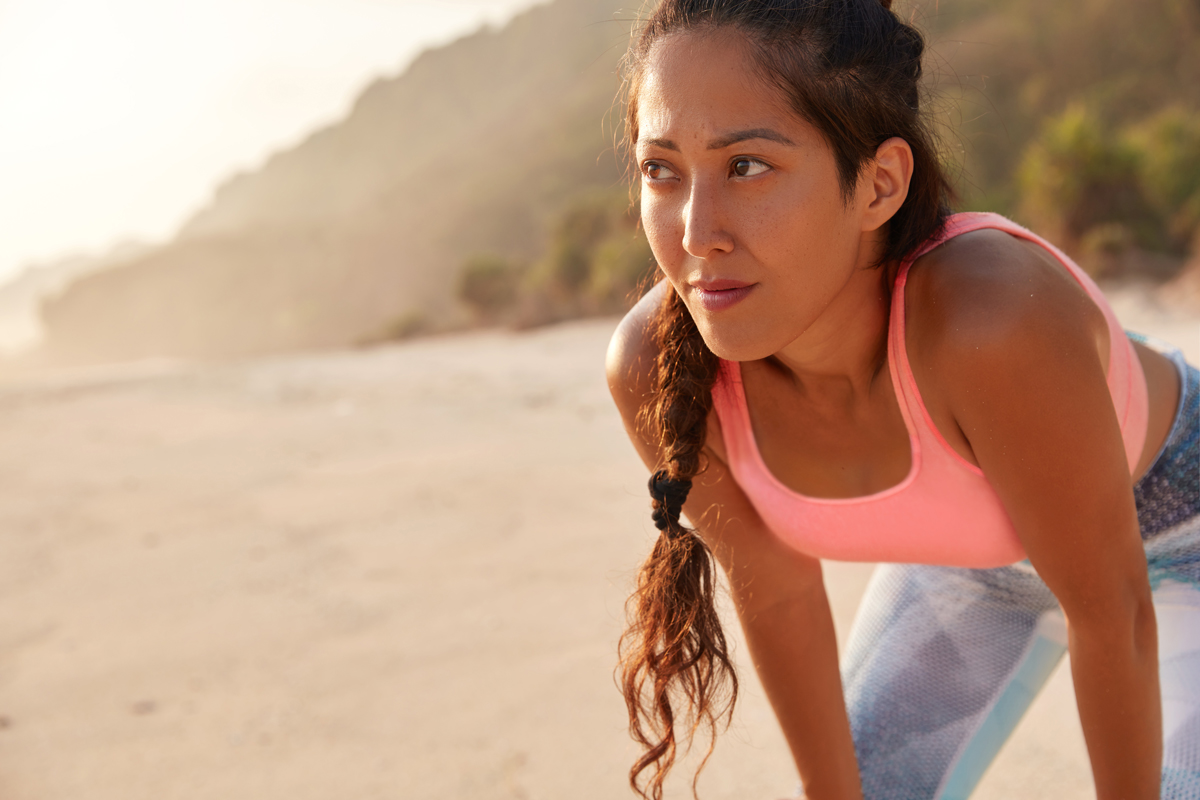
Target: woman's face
column 740, row 198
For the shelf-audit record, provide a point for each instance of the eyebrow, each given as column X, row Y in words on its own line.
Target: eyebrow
column 726, row 141
column 753, row 133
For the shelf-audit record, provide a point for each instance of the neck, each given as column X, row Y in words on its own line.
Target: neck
column 846, row 347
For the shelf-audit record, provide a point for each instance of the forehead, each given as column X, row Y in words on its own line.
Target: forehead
column 703, row 84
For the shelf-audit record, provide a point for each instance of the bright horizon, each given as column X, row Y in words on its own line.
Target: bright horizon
column 119, row 119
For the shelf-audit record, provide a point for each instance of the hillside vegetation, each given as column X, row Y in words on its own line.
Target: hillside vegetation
column 481, row 185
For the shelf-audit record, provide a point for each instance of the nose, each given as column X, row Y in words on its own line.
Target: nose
column 705, row 230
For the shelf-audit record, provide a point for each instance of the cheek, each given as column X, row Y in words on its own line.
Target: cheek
column 663, row 232
column 796, row 227
column 809, row 248
column 805, row 247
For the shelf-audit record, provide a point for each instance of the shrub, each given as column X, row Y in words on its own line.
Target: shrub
column 489, row 285
column 574, row 241
column 1077, row 175
column 1169, row 148
column 596, row 259
column 621, row 263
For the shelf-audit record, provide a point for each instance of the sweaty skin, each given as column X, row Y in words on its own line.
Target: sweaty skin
column 738, row 191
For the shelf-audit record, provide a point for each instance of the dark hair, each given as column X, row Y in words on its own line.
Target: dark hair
column 852, row 69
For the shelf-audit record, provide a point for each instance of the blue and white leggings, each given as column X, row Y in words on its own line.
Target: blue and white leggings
column 943, row 662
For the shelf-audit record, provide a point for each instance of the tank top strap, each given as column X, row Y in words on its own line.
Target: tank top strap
column 1126, row 382
column 929, row 447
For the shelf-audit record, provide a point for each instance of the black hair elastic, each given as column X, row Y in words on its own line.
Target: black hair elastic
column 670, row 495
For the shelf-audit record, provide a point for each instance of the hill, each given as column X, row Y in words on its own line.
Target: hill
column 474, row 147
column 21, row 297
column 495, row 148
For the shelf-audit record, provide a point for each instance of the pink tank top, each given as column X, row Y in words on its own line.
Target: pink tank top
column 944, row 511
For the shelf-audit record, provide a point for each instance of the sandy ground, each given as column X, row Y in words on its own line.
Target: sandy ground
column 393, row 573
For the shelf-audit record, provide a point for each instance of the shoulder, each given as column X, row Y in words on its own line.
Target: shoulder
column 629, row 364
column 987, row 297
column 1017, row 352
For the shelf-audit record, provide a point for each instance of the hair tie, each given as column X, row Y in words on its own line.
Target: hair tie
column 669, row 495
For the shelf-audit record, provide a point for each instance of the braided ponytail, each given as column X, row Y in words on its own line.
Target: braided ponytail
column 852, row 69
column 675, row 644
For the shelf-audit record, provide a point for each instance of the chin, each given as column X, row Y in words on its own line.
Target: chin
column 736, row 342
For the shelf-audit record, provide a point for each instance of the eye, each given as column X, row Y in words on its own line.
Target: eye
column 748, row 167
column 656, row 171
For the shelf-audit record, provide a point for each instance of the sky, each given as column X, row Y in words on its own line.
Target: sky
column 118, row 118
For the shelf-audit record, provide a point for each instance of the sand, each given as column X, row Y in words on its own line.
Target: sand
column 385, row 573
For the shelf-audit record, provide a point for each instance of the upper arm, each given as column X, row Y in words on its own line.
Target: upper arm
column 1023, row 356
column 629, row 366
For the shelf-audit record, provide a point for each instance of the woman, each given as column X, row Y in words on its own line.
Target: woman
column 835, row 367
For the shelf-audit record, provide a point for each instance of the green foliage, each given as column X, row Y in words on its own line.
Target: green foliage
column 573, row 243
column 596, row 259
column 621, row 264
column 1169, row 147
column 489, row 285
column 1105, row 192
column 1077, row 174
column 999, row 69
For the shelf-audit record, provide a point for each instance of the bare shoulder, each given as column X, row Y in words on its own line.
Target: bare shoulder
column 1015, row 353
column 990, row 293
column 631, row 354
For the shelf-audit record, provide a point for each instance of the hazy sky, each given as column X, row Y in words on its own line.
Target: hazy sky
column 118, row 117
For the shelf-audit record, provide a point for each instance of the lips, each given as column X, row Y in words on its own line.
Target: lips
column 721, row 293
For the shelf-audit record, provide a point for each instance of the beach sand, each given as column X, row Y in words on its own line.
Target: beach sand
column 385, row 573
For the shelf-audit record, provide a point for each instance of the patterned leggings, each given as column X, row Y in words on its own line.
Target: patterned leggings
column 943, row 662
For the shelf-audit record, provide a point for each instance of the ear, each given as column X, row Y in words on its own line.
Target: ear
column 887, row 179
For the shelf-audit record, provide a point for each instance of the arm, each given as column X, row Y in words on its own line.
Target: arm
column 778, row 592
column 784, row 611
column 1051, row 445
